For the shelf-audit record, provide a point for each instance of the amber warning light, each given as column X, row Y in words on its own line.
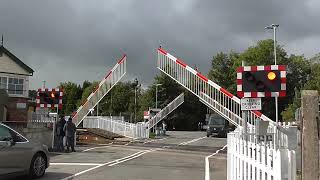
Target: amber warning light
column 272, row 76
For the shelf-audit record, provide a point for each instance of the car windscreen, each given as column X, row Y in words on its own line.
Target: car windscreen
column 216, row 121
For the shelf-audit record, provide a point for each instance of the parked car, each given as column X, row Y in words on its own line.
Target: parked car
column 217, row 126
column 19, row 156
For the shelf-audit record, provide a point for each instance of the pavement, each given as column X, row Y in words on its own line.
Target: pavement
column 180, row 155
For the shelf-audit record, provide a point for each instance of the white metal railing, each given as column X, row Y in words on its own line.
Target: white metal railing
column 258, row 161
column 41, row 118
column 112, row 78
column 165, row 111
column 135, row 131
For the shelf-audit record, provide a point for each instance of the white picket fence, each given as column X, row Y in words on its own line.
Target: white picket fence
column 131, row 130
column 249, row 159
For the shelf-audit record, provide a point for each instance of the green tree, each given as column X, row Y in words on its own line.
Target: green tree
column 223, row 70
column 121, row 100
column 220, row 71
column 71, row 96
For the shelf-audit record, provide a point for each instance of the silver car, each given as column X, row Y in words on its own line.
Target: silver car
column 19, row 156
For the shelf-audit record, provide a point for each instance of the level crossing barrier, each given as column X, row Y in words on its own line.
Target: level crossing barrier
column 111, row 79
column 214, row 96
column 174, row 104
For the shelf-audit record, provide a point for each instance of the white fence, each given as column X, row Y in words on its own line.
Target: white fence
column 135, row 131
column 249, row 159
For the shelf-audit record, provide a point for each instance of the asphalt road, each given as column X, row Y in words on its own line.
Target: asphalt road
column 180, row 155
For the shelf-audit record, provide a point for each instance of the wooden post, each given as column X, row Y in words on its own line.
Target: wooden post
column 310, row 147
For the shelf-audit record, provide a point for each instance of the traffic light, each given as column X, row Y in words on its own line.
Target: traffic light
column 261, row 81
column 49, row 97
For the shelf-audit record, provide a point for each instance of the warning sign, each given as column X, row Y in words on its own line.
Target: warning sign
column 251, row 104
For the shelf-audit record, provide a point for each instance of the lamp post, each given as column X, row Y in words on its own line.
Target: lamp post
column 274, row 28
column 135, row 83
column 157, row 95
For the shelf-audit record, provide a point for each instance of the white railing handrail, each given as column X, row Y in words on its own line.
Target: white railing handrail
column 165, row 111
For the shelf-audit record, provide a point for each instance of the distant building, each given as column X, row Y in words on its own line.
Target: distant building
column 14, row 80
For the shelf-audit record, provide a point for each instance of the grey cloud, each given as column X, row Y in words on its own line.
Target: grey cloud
column 78, row 40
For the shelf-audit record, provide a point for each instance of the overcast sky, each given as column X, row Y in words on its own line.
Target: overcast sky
column 81, row 40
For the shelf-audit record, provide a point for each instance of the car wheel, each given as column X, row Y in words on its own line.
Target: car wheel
column 208, row 135
column 38, row 165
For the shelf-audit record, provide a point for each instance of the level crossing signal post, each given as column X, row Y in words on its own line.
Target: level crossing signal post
column 50, row 98
column 253, row 83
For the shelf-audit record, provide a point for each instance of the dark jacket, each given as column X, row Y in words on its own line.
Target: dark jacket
column 70, row 129
column 59, row 128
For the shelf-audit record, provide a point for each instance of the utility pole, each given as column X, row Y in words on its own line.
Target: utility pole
column 274, row 27
column 310, row 139
column 135, row 83
column 44, row 84
column 157, row 95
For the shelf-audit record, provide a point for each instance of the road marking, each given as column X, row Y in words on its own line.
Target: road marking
column 191, row 141
column 207, row 169
column 75, row 164
column 97, row 147
column 154, row 140
column 147, row 151
column 135, row 155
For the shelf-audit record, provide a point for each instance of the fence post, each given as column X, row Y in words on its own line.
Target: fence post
column 278, row 165
column 310, row 147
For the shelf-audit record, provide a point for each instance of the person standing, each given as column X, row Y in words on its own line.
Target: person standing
column 164, row 125
column 60, row 133
column 70, row 130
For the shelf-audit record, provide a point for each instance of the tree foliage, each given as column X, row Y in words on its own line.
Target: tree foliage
column 71, row 97
column 223, row 70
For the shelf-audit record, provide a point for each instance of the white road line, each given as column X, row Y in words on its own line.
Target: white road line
column 131, row 157
column 135, row 155
column 191, row 141
column 154, row 140
column 207, row 169
column 96, row 148
column 75, row 164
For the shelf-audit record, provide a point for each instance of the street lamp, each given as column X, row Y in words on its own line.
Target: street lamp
column 274, row 28
column 135, row 83
column 157, row 95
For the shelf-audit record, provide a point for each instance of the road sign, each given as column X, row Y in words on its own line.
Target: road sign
column 251, row 104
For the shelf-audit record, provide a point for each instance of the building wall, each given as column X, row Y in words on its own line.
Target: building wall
column 9, row 66
column 17, row 109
